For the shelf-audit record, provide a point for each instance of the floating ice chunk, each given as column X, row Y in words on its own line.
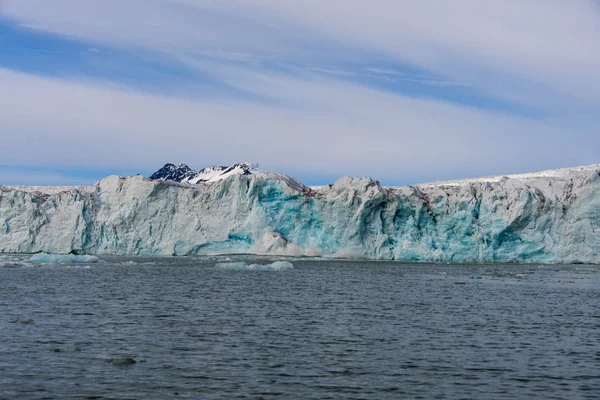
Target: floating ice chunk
column 44, row 258
column 14, row 264
column 346, row 253
column 275, row 266
column 232, row 265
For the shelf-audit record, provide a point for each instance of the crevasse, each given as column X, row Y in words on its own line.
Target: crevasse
column 544, row 217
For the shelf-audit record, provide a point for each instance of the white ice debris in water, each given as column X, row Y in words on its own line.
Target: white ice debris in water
column 43, row 258
column 274, row 266
column 545, row 217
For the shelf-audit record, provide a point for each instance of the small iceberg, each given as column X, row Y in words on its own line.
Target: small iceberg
column 44, row 258
column 275, row 266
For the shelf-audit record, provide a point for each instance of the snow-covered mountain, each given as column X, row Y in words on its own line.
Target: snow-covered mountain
column 185, row 174
column 545, row 217
column 171, row 172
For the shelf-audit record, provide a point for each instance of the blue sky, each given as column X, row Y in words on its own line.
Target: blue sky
column 402, row 91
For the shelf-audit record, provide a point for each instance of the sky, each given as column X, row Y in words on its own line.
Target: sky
column 402, row 91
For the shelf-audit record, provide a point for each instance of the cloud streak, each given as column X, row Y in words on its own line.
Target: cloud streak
column 542, row 41
column 335, row 126
column 313, row 88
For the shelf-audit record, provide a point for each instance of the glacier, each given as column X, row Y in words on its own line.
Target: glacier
column 545, row 217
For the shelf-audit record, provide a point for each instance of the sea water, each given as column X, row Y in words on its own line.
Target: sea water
column 239, row 327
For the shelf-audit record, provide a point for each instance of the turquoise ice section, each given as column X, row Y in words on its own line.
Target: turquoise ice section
column 551, row 217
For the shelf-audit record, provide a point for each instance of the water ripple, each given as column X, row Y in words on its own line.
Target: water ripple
column 157, row 328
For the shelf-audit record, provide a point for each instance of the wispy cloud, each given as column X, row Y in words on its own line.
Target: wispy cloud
column 385, row 88
column 336, row 126
column 496, row 46
column 397, row 76
column 393, row 72
column 382, row 73
column 331, row 71
column 540, row 50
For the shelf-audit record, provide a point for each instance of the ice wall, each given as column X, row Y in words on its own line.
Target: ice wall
column 552, row 217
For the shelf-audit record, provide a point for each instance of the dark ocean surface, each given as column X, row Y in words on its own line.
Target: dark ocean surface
column 189, row 328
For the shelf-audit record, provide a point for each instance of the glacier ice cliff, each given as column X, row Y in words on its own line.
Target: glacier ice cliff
column 551, row 216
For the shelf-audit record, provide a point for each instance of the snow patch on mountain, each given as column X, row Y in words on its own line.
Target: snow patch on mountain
column 185, row 174
column 551, row 174
column 170, row 172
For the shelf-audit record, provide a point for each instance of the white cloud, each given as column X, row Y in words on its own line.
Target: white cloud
column 333, row 126
column 541, row 53
column 498, row 46
column 525, row 50
column 167, row 26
